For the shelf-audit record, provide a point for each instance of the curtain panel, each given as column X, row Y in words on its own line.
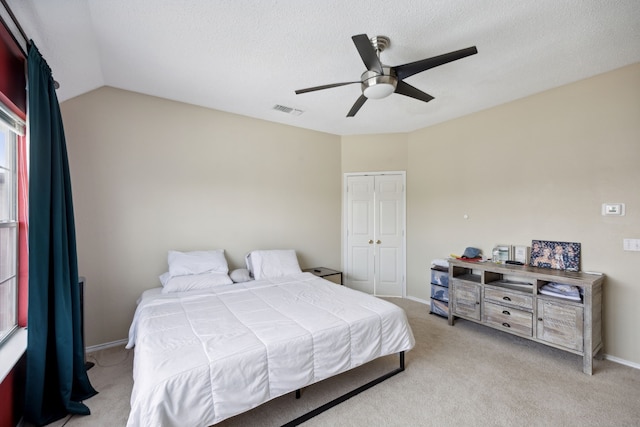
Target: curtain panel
column 57, row 380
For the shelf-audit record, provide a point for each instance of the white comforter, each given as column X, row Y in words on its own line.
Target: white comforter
column 204, row 356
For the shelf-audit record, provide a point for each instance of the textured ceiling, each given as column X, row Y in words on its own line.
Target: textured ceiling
column 245, row 56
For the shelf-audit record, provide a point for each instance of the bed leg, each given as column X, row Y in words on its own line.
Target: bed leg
column 345, row 396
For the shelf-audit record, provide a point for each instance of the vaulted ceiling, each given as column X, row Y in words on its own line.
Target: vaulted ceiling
column 247, row 56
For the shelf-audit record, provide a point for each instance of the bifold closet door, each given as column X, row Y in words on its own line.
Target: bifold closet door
column 375, row 234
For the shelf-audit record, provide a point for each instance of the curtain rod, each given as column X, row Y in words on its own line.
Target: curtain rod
column 18, row 26
column 22, row 33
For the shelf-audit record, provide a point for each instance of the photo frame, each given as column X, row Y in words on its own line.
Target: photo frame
column 502, row 253
column 522, row 254
column 555, row 255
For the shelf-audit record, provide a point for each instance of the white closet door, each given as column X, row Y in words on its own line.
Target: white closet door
column 375, row 234
column 360, row 244
column 389, row 235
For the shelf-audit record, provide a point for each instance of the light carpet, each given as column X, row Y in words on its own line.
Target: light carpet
column 465, row 375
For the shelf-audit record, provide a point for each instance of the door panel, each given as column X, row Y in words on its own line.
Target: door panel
column 362, row 225
column 360, row 272
column 360, row 229
column 388, row 263
column 388, row 218
column 389, row 233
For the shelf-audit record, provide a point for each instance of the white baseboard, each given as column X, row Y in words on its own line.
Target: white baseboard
column 621, row 361
column 421, row 301
column 98, row 347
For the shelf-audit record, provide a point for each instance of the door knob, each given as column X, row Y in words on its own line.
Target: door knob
column 370, row 242
column 378, row 242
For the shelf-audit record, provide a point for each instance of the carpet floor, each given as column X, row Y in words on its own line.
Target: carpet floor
column 465, row 375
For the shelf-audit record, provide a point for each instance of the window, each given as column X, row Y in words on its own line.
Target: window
column 8, row 225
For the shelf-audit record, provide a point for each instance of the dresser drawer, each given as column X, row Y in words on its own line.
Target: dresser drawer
column 508, row 319
column 508, row 297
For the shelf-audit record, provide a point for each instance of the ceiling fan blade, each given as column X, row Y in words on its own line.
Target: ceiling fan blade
column 406, row 70
column 329, row 86
column 367, row 53
column 359, row 102
column 406, row 89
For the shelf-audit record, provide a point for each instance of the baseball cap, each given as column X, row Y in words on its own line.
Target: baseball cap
column 471, row 253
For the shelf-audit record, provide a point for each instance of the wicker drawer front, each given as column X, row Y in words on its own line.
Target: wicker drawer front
column 508, row 297
column 508, row 319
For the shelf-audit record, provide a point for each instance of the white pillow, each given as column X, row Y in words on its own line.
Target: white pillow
column 240, row 275
column 192, row 282
column 274, row 263
column 164, row 278
column 197, row 262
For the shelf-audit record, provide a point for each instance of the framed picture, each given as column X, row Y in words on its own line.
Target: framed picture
column 502, row 253
column 556, row 255
column 522, row 254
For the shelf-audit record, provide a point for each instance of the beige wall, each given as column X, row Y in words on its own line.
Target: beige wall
column 151, row 175
column 374, row 153
column 537, row 168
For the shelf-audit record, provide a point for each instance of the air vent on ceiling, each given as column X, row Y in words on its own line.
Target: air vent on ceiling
column 288, row 110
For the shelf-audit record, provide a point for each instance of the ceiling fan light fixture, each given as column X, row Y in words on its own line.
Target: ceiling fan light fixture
column 378, row 86
column 379, row 90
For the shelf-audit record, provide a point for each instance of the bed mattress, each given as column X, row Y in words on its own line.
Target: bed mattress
column 204, row 356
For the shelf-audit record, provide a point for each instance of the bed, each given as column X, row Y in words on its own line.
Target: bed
column 204, row 353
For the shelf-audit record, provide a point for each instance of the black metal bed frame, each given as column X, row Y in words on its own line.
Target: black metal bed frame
column 345, row 396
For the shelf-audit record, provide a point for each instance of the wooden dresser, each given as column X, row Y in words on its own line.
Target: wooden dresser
column 507, row 297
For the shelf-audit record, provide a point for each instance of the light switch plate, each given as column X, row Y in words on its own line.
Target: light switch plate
column 631, row 244
column 615, row 209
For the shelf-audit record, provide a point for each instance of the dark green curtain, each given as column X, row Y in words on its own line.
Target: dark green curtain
column 57, row 380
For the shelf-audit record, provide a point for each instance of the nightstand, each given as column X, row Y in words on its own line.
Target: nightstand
column 323, row 272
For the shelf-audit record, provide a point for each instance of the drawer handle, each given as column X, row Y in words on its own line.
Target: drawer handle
column 506, row 298
column 539, row 319
column 506, row 312
column 506, row 325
